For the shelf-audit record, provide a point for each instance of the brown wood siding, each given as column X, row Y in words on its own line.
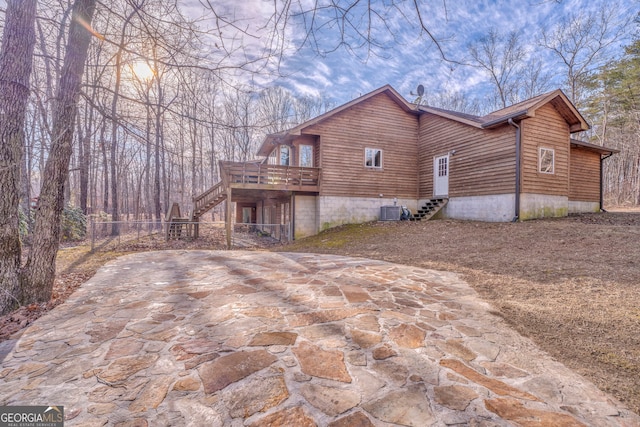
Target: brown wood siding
column 547, row 130
column 375, row 123
column 584, row 177
column 484, row 162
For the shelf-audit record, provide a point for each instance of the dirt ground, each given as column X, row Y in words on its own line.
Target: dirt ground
column 572, row 285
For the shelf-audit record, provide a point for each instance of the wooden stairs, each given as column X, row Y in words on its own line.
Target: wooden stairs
column 179, row 227
column 208, row 200
column 429, row 209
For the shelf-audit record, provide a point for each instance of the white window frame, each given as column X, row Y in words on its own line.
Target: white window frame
column 285, row 159
column 543, row 154
column 370, row 154
column 302, row 157
column 273, row 157
column 443, row 166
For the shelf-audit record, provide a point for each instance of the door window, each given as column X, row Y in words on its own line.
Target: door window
column 443, row 166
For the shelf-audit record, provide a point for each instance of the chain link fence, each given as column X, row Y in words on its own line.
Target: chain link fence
column 150, row 235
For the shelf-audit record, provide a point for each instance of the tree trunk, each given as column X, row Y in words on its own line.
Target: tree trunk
column 115, row 208
column 39, row 271
column 85, row 159
column 156, row 176
column 28, row 154
column 16, row 57
column 105, row 171
column 147, row 167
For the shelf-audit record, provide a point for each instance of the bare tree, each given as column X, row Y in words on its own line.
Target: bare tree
column 39, row 271
column 16, row 54
column 501, row 58
column 307, row 107
column 239, row 135
column 582, row 43
column 455, row 101
column 534, row 79
column 276, row 109
column 354, row 25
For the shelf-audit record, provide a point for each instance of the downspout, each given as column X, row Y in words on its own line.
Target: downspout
column 517, row 207
column 602, row 159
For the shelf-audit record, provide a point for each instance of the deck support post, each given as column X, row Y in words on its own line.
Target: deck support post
column 228, row 218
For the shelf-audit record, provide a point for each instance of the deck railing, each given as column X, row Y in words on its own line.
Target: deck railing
column 258, row 174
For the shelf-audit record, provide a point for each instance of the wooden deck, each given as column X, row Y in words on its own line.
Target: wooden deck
column 258, row 176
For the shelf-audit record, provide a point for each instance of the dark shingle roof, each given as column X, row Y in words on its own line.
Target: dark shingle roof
column 519, row 111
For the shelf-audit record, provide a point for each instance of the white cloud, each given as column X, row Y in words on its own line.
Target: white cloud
column 409, row 56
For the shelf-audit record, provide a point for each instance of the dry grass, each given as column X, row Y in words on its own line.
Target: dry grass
column 571, row 285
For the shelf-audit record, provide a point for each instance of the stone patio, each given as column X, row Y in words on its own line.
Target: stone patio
column 234, row 338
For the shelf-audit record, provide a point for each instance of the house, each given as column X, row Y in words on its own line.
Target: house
column 379, row 150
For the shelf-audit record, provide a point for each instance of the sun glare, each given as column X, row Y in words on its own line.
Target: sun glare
column 142, row 70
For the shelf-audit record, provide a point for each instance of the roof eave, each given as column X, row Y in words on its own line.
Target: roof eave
column 579, row 127
column 271, row 140
column 453, row 117
column 592, row 147
column 582, row 124
column 518, row 115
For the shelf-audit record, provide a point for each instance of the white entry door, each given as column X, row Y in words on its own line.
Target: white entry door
column 441, row 176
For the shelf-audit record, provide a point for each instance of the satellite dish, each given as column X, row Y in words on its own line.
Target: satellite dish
column 420, row 90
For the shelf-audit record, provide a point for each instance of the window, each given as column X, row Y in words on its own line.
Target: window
column 373, row 158
column 284, row 155
column 306, row 156
column 546, row 160
column 280, row 156
column 273, row 157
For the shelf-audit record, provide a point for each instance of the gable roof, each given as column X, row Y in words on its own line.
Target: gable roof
column 519, row 111
column 272, row 139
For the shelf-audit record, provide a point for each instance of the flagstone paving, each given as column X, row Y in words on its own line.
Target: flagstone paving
column 233, row 338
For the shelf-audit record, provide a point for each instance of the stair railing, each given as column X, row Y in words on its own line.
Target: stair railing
column 204, row 201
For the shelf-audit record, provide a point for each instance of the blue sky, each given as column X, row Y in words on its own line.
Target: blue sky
column 417, row 61
column 409, row 57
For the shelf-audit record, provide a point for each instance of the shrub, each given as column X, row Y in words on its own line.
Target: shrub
column 24, row 224
column 73, row 224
